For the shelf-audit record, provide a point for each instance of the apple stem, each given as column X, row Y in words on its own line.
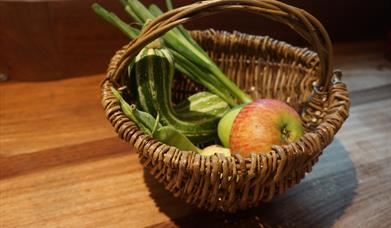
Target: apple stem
column 285, row 133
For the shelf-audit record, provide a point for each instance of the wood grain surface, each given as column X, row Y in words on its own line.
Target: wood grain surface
column 62, row 165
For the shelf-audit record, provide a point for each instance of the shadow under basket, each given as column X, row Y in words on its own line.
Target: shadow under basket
column 264, row 68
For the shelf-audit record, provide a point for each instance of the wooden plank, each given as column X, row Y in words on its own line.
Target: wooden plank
column 350, row 186
column 109, row 192
column 46, row 40
column 47, row 115
column 25, row 163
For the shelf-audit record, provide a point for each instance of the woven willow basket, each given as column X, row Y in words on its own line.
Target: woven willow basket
column 264, row 68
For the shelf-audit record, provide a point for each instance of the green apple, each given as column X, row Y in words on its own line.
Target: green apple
column 225, row 125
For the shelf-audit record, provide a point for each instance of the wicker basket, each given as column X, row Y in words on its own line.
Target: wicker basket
column 262, row 67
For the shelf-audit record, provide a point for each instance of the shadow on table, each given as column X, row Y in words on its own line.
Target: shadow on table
column 318, row 201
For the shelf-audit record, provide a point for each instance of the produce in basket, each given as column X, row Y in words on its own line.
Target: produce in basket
column 152, row 73
column 267, row 67
column 149, row 81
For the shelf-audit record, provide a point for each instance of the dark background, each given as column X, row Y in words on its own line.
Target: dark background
column 53, row 39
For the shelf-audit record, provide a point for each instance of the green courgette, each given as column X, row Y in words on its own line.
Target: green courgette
column 202, row 105
column 197, row 118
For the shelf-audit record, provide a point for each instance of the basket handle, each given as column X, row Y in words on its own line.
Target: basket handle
column 306, row 25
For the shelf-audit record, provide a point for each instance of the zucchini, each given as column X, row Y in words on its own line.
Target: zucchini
column 197, row 117
column 202, row 105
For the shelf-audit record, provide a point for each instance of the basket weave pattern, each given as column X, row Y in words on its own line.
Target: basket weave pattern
column 262, row 67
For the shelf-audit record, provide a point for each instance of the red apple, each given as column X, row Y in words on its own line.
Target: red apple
column 259, row 125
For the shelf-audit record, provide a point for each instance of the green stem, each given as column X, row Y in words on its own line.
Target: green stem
column 169, row 5
column 116, row 21
column 130, row 11
column 156, row 11
column 232, row 87
column 191, row 69
column 128, row 110
column 140, row 10
column 155, row 126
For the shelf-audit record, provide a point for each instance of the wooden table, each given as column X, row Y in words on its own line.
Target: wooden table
column 63, row 165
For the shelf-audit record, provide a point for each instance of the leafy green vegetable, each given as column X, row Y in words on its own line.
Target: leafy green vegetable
column 151, row 126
